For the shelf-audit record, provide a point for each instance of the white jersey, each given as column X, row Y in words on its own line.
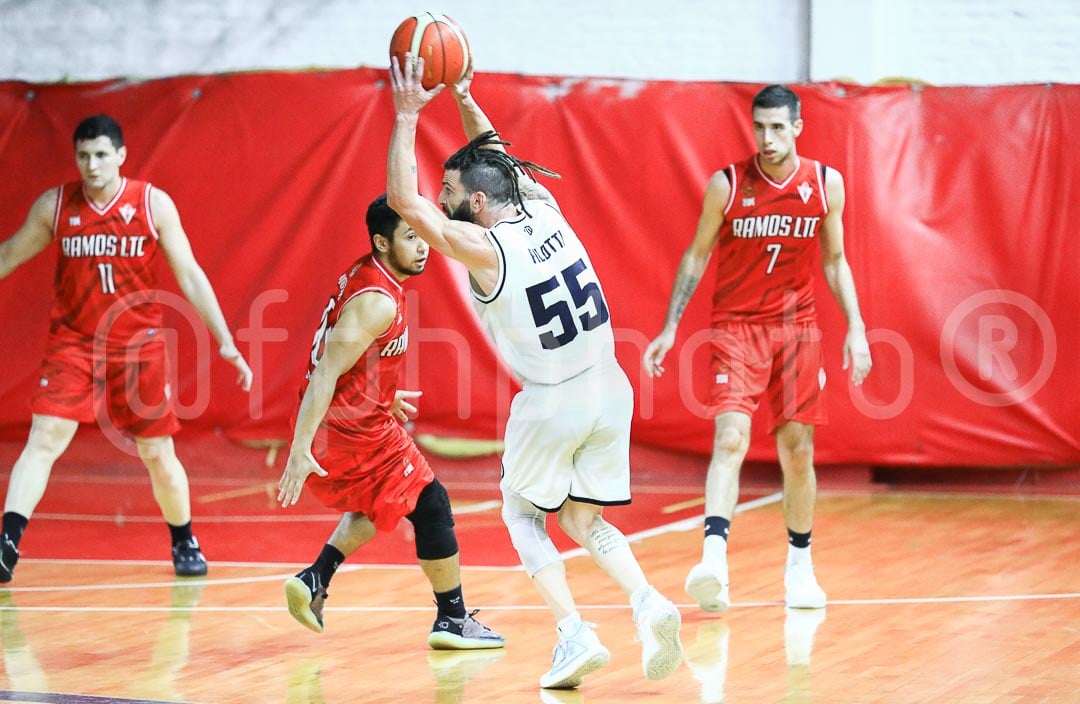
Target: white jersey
column 547, row 313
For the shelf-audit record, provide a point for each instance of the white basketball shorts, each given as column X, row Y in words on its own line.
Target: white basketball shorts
column 571, row 440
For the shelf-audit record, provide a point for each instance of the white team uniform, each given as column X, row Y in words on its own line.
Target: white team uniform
column 568, row 434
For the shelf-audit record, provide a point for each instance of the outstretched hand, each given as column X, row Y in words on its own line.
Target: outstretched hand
column 297, row 469
column 406, row 85
column 402, row 409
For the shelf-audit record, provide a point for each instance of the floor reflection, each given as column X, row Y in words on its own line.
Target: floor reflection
column 453, row 668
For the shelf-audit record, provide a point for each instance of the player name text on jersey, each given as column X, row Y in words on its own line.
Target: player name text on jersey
column 103, row 245
column 775, row 225
column 548, row 248
column 396, row 346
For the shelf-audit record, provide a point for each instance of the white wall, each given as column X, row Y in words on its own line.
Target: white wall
column 947, row 42
column 940, row 41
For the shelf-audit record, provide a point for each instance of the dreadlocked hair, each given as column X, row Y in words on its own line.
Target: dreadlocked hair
column 492, row 171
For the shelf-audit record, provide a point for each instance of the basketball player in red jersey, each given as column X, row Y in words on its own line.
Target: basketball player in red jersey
column 767, row 214
column 351, row 418
column 105, row 360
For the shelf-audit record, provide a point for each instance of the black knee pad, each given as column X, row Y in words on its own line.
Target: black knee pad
column 433, row 523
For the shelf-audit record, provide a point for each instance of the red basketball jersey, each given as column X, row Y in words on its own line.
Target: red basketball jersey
column 106, row 272
column 364, row 394
column 767, row 244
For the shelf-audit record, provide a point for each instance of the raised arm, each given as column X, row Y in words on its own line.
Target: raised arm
column 475, row 122
column 473, row 119
column 464, row 241
column 841, row 282
column 360, row 322
column 193, row 281
column 34, row 235
column 691, row 268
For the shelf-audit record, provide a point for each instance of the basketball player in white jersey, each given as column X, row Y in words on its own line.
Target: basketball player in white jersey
column 568, row 435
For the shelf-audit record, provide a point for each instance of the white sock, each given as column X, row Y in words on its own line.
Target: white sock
column 715, row 548
column 570, row 624
column 798, row 555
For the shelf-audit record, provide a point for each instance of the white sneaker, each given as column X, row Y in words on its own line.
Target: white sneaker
column 801, row 587
column 658, row 622
column 707, row 583
column 575, row 656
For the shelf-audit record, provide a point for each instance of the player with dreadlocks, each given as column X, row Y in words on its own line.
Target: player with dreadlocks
column 568, row 435
column 486, row 166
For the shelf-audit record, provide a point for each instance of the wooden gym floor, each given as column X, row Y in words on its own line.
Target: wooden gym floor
column 968, row 596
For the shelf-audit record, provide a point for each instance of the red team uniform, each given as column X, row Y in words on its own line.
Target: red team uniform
column 766, row 336
column 106, row 299
column 372, row 463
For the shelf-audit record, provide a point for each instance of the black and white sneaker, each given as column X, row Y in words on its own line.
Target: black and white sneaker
column 306, row 597
column 9, row 555
column 187, row 558
column 467, row 633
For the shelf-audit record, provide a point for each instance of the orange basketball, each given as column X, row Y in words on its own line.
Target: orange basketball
column 439, row 40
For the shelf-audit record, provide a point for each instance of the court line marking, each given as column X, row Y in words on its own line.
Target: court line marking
column 186, row 582
column 974, row 495
column 542, row 607
column 487, row 505
column 681, row 525
column 253, row 518
column 676, row 526
column 463, row 508
column 85, row 561
column 19, row 697
column 140, row 478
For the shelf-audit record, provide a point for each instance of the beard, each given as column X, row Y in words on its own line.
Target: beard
column 461, row 212
column 406, row 268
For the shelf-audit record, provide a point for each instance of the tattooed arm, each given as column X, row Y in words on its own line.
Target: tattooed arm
column 692, row 267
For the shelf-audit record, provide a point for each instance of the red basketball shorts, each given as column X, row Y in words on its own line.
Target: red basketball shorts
column 381, row 480
column 780, row 362
column 129, row 389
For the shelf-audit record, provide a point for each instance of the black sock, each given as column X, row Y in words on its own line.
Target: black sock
column 180, row 533
column 798, row 540
column 715, row 525
column 14, row 525
column 451, row 603
column 329, row 560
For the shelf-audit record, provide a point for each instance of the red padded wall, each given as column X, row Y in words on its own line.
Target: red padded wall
column 957, row 222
